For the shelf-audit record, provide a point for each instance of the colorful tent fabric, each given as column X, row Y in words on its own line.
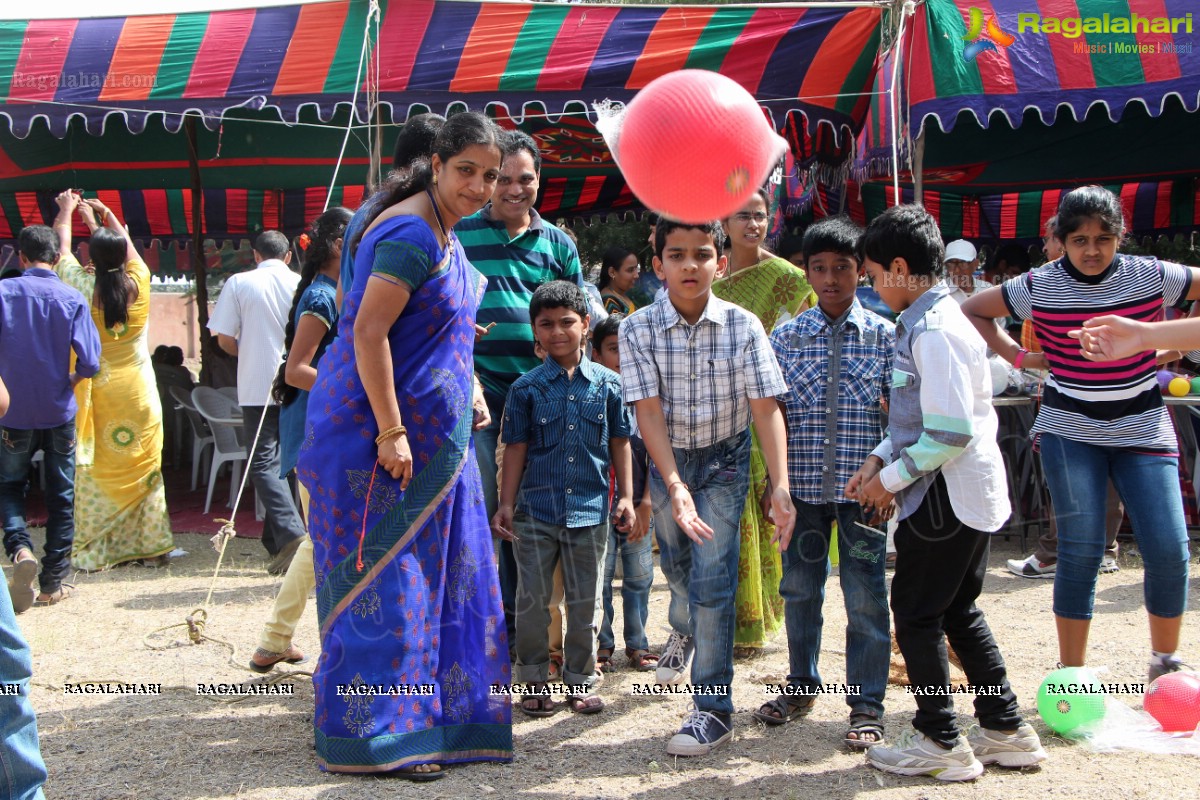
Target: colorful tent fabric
column 98, row 103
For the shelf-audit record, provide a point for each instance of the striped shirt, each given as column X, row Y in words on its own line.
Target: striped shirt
column 568, row 424
column 837, row 372
column 1110, row 404
column 704, row 374
column 514, row 268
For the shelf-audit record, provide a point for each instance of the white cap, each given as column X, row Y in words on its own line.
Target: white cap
column 962, row 250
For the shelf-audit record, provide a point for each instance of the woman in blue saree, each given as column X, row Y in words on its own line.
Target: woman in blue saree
column 411, row 623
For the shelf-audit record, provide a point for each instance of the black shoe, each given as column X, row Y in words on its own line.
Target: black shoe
column 283, row 559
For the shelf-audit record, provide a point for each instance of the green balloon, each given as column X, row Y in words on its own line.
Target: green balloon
column 1070, row 700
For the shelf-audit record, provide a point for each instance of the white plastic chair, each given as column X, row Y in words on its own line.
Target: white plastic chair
column 202, row 435
column 230, row 392
column 224, row 418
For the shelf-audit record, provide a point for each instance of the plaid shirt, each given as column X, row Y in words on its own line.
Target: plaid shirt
column 837, row 373
column 704, row 374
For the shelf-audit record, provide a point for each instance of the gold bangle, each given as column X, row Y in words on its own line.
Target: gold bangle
column 399, row 430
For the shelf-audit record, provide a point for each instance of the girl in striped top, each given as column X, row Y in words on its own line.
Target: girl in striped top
column 1101, row 420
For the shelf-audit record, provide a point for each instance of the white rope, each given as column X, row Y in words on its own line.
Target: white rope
column 363, row 55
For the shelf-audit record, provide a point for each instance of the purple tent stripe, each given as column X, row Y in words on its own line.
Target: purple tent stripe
column 614, row 60
column 263, row 54
column 88, row 60
column 445, row 37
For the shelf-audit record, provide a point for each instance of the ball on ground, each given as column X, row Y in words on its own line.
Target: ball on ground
column 1174, row 700
column 1070, row 700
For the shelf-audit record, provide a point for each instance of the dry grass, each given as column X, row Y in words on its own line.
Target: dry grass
column 181, row 746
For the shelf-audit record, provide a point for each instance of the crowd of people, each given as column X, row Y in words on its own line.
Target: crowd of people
column 476, row 440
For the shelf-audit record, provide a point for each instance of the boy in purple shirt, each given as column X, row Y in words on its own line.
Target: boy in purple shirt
column 41, row 321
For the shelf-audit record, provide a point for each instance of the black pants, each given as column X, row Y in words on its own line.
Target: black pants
column 940, row 564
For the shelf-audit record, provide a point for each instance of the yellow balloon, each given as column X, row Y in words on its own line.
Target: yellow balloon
column 1179, row 387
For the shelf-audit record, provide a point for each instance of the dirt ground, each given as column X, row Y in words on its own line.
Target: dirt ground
column 180, row 746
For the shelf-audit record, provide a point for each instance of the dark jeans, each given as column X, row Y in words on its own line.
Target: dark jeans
column 940, row 564
column 506, row 561
column 58, row 460
column 281, row 520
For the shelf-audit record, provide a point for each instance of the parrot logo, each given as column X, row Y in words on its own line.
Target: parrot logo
column 981, row 37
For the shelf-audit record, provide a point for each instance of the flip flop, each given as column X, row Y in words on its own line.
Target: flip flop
column 544, row 703
column 290, row 656
column 410, row 774
column 21, row 586
column 585, row 703
column 55, row 597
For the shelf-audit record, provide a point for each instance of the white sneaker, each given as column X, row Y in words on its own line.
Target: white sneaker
column 914, row 753
column 1109, row 564
column 1019, row 749
column 1031, row 567
column 673, row 662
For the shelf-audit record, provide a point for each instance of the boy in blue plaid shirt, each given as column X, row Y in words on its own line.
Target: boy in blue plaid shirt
column 837, row 361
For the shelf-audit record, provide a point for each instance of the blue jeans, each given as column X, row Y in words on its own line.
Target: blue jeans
column 1077, row 475
column 637, row 566
column 281, row 518
column 506, row 562
column 539, row 548
column 22, row 771
column 58, row 460
column 703, row 578
column 861, row 570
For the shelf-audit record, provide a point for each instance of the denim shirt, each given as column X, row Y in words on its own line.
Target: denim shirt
column 567, row 424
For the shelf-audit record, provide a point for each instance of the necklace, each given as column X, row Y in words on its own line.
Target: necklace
column 437, row 215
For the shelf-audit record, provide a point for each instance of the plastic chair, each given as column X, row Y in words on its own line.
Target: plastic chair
column 224, row 418
column 230, row 392
column 202, row 435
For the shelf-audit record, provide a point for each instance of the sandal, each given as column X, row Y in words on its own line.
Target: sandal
column 604, row 659
column 784, row 709
column 57, row 596
column 641, row 660
column 411, row 774
column 539, row 696
column 863, row 724
column 263, row 661
column 585, row 703
column 742, row 653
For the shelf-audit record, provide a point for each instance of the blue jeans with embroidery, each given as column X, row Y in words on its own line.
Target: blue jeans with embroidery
column 703, row 577
column 861, row 567
column 637, row 568
column 17, row 448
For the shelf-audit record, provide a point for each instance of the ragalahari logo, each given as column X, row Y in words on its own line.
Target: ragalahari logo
column 981, row 37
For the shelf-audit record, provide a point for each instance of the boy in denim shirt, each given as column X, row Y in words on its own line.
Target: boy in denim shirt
column 837, row 361
column 564, row 424
column 696, row 368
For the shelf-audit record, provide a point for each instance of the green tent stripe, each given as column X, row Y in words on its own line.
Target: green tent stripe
column 166, row 260
column 532, row 45
column 951, row 217
column 179, row 221
column 1183, row 203
column 570, row 193
column 1029, row 214
column 952, row 76
column 179, row 55
column 858, row 77
column 1114, row 68
column 254, row 211
column 344, row 68
column 12, row 212
column 12, row 38
column 722, row 30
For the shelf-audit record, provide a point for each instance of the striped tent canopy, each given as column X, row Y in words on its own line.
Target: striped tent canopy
column 99, row 103
column 1006, row 109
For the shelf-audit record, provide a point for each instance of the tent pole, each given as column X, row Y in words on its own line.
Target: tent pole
column 906, row 8
column 199, row 266
column 918, row 166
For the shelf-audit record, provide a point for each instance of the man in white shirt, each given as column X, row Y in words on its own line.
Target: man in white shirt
column 962, row 260
column 249, row 323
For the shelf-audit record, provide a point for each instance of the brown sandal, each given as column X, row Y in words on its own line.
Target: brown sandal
column 57, row 596
column 539, row 696
column 784, row 709
column 263, row 661
column 863, row 723
column 604, row 659
column 641, row 660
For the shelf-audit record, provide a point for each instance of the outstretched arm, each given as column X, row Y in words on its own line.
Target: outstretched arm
column 109, row 220
column 67, row 201
column 1109, row 337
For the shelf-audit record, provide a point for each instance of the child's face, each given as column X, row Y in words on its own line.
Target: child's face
column 561, row 332
column 892, row 287
column 689, row 264
column 608, row 354
column 623, row 277
column 1091, row 247
column 834, row 277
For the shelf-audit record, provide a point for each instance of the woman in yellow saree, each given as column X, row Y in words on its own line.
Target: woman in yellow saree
column 774, row 290
column 120, row 501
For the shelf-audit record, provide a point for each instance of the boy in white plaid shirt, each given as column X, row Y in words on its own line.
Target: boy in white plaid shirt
column 696, row 368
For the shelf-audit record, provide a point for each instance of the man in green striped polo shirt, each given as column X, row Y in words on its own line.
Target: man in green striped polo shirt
column 517, row 251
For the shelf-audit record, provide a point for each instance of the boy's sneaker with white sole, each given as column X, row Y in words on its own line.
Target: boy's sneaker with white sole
column 702, row 732
column 914, row 753
column 1021, row 748
column 673, row 662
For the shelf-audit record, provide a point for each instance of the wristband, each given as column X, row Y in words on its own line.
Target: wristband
column 1020, row 359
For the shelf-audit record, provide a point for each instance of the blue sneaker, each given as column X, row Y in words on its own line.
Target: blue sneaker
column 702, row 732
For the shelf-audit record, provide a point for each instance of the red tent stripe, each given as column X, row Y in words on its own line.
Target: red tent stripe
column 995, row 71
column 270, row 210
column 236, row 209
column 314, row 202
column 187, row 214
column 158, row 218
column 1162, row 205
column 933, row 204
column 313, row 46
column 112, row 199
column 1008, row 216
column 1049, row 204
column 670, row 43
column 400, row 34
column 484, row 57
column 575, row 47
column 591, row 190
column 1128, row 202
column 831, row 66
column 921, row 86
column 1074, row 69
column 1159, row 65
column 27, row 205
column 352, row 196
column 134, row 68
column 43, row 53
column 219, row 53
column 552, row 193
column 748, row 55
column 970, row 223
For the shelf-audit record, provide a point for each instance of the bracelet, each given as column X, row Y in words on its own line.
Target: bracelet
column 399, row 430
column 671, row 485
column 1020, row 359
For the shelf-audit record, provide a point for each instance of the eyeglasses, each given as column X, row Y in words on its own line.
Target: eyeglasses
column 745, row 216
